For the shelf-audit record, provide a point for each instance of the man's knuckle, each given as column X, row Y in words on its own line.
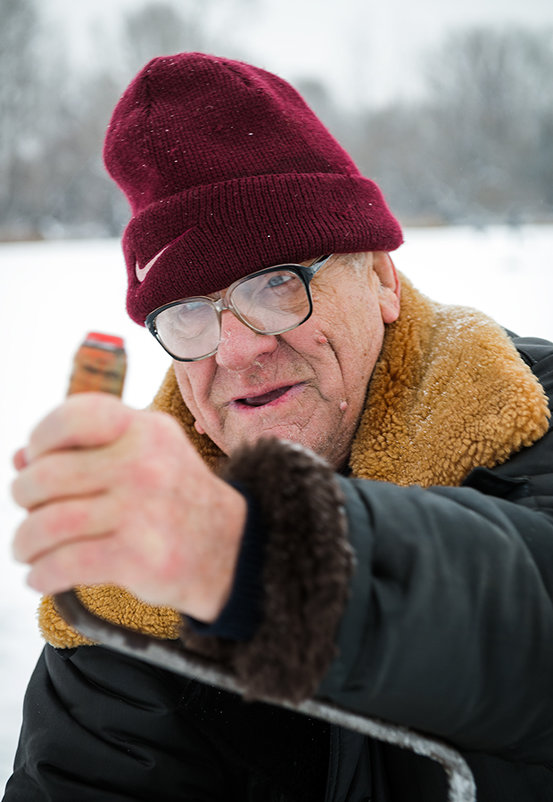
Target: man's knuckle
column 47, row 519
column 67, row 517
column 45, row 475
column 16, row 490
column 20, row 542
column 44, row 432
column 149, row 475
column 164, row 428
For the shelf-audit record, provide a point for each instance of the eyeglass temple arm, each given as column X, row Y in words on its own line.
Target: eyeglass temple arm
column 313, row 269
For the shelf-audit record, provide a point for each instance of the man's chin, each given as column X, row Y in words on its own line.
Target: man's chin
column 280, row 431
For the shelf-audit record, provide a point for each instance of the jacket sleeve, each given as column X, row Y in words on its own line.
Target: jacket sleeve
column 448, row 626
column 99, row 725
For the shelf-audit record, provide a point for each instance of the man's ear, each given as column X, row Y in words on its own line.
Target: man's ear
column 390, row 288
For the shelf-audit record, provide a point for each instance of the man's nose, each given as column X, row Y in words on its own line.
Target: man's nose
column 239, row 346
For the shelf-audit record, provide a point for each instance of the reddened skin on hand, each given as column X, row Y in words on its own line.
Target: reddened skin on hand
column 120, row 496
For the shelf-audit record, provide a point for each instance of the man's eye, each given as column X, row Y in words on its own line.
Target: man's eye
column 278, row 280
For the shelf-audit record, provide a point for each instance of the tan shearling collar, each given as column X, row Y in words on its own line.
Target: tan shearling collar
column 449, row 393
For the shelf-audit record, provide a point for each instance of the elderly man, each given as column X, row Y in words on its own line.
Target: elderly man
column 331, row 498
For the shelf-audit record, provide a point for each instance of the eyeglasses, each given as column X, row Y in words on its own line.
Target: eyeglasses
column 270, row 301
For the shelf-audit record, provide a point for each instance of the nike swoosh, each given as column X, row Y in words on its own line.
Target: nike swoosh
column 142, row 272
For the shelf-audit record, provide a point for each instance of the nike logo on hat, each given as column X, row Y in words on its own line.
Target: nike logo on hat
column 142, row 272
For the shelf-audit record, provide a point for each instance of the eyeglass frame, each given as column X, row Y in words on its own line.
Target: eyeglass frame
column 305, row 273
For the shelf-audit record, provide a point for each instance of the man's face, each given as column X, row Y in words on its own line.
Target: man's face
column 307, row 385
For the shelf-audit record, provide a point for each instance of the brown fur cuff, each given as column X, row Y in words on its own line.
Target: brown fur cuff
column 307, row 567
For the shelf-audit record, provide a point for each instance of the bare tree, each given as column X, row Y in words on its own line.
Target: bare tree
column 164, row 28
column 490, row 106
column 19, row 92
column 158, row 29
column 478, row 147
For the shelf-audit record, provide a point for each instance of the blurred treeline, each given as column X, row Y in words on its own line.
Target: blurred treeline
column 476, row 146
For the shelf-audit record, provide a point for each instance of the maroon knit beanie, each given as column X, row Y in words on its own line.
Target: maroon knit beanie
column 228, row 171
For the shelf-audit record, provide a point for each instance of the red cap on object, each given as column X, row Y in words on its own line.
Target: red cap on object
column 107, row 339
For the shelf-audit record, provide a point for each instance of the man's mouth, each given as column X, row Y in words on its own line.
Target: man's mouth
column 264, row 399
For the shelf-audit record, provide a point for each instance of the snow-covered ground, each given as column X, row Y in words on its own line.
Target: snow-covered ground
column 52, row 293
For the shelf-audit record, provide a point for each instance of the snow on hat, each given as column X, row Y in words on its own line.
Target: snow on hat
column 227, row 171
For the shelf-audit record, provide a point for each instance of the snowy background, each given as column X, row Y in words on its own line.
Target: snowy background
column 53, row 293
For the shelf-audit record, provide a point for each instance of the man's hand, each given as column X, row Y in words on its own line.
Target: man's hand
column 120, row 496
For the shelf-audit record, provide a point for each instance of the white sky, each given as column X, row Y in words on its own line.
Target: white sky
column 361, row 48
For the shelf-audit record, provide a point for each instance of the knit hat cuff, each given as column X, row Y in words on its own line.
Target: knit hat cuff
column 203, row 239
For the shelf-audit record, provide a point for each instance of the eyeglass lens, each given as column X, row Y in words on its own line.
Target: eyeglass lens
column 270, row 303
